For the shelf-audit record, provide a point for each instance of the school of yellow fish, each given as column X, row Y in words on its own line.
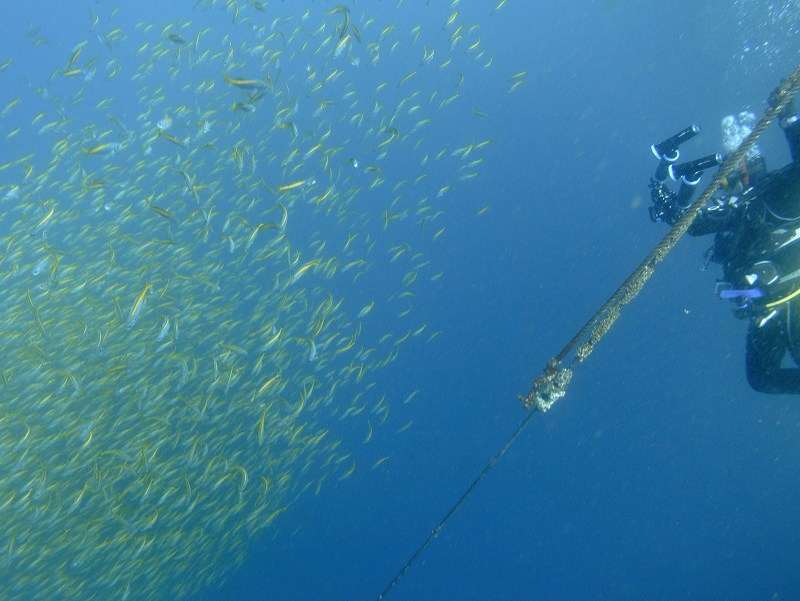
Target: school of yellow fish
column 180, row 264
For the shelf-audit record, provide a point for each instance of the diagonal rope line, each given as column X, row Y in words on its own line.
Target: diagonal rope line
column 552, row 383
column 435, row 532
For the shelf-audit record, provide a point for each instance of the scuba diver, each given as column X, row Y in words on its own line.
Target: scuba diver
column 755, row 219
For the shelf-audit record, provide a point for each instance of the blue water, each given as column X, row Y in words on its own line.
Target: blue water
column 660, row 475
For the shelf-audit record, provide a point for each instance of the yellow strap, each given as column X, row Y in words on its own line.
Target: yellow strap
column 783, row 300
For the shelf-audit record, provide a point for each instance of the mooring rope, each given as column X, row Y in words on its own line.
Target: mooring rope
column 551, row 385
column 435, row 532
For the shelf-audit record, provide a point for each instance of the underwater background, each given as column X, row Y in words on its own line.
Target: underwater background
column 302, row 258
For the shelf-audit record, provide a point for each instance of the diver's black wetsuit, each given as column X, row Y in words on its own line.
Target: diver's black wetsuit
column 766, row 346
column 741, row 220
column 769, row 341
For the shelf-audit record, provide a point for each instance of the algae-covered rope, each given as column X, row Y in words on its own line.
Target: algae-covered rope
column 552, row 383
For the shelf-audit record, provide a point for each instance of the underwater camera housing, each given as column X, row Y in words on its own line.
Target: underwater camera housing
column 691, row 171
column 667, row 205
column 667, row 151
